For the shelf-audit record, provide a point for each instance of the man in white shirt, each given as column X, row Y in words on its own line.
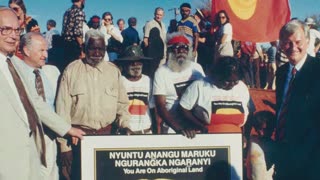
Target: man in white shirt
column 33, row 47
column 51, row 27
column 171, row 80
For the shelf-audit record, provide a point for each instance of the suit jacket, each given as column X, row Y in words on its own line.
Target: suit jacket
column 19, row 159
column 300, row 154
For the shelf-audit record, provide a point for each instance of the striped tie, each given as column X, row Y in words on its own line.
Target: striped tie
column 280, row 132
column 39, row 84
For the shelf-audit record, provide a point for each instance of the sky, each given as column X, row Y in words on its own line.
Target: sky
column 143, row 10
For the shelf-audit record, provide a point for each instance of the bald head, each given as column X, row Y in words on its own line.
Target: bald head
column 9, row 31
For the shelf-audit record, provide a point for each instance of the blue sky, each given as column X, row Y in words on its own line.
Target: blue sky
column 42, row 10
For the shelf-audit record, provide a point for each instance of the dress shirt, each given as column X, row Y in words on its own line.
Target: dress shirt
column 289, row 75
column 5, row 70
column 48, row 89
column 93, row 96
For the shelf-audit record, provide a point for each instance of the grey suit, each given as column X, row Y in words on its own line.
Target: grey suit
column 19, row 159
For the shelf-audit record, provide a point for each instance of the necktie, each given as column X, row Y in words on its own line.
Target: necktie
column 39, row 84
column 34, row 123
column 280, row 132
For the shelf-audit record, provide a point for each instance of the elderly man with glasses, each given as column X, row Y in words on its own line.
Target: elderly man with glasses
column 22, row 111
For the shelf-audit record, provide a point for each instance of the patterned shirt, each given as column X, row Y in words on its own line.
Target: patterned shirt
column 73, row 20
column 188, row 26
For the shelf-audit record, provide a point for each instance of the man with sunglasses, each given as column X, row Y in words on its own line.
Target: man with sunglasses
column 170, row 81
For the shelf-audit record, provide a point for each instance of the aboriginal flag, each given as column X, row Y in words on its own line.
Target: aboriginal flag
column 255, row 20
column 138, row 103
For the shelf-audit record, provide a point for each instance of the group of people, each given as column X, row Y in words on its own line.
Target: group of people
column 143, row 91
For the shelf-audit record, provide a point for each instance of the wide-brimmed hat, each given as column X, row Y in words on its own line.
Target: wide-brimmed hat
column 132, row 53
column 199, row 13
column 309, row 21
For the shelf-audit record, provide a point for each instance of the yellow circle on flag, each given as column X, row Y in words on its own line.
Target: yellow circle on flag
column 244, row 9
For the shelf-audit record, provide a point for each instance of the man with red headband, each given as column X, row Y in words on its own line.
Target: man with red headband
column 171, row 80
column 94, row 22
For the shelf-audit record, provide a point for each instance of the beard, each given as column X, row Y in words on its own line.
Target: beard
column 92, row 62
column 179, row 62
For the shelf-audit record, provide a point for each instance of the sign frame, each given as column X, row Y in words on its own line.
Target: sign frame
column 90, row 145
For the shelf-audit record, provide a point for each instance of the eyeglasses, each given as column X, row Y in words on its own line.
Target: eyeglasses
column 107, row 19
column 5, row 30
column 180, row 47
column 222, row 17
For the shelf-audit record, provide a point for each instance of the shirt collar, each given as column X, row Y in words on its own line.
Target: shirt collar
column 300, row 64
column 99, row 67
column 75, row 7
column 30, row 69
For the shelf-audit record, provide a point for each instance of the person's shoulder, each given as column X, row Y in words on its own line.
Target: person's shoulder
column 241, row 85
column 162, row 68
column 110, row 66
column 282, row 68
column 201, row 82
column 17, row 62
column 227, row 25
column 50, row 68
column 191, row 19
column 150, row 22
column 314, row 63
column 74, row 65
column 16, row 59
column 145, row 77
column 76, row 62
column 162, row 72
column 196, row 66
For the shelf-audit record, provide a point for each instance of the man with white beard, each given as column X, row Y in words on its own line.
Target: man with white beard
column 170, row 82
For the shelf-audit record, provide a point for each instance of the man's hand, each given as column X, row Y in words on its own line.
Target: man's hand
column 75, row 132
column 189, row 133
column 75, row 140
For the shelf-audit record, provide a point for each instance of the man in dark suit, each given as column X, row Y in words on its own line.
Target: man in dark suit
column 298, row 103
